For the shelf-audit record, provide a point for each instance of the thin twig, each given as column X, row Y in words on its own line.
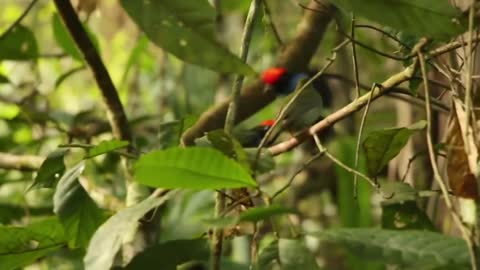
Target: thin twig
column 354, row 60
column 19, row 19
column 281, row 115
column 468, row 91
column 436, row 172
column 323, row 150
column 379, row 90
column 299, row 170
column 230, row 123
column 268, row 16
column 385, row 33
column 359, row 141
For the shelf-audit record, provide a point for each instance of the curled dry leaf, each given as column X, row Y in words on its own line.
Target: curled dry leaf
column 460, row 177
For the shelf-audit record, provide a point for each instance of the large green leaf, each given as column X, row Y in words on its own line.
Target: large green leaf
column 77, row 212
column 50, row 170
column 18, row 44
column 185, row 29
column 411, row 248
column 170, row 254
column 405, row 216
column 105, row 147
column 383, row 145
column 108, row 239
column 21, row 246
column 431, row 18
column 194, row 167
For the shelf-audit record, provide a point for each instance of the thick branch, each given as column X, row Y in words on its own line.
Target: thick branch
column 20, row 162
column 295, row 57
column 116, row 114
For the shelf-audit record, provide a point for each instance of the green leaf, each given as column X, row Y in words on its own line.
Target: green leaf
column 18, row 44
column 78, row 213
column 193, row 167
column 260, row 213
column 65, row 41
column 185, row 29
column 294, row 255
column 405, row 216
column 267, row 256
column 170, row 254
column 265, row 162
column 431, row 18
column 105, row 147
column 50, row 171
column 108, row 239
column 402, row 248
column 397, row 192
column 228, row 146
column 383, row 145
column 21, row 246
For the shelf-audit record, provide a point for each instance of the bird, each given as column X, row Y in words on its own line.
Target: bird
column 309, row 107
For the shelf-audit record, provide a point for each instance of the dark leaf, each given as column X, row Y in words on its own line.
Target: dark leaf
column 78, row 213
column 50, row 171
column 18, row 44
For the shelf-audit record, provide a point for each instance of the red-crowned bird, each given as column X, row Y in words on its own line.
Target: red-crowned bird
column 307, row 109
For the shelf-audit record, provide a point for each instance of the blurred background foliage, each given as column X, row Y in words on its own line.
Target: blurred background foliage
column 50, row 98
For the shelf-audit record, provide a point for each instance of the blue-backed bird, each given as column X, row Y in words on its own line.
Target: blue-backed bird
column 307, row 107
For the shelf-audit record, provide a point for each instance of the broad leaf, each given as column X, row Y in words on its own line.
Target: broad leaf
column 194, row 167
column 405, row 248
column 77, row 212
column 383, row 145
column 405, row 216
column 50, row 171
column 19, row 44
column 108, row 239
column 170, row 254
column 21, row 246
column 229, row 146
column 185, row 29
column 105, row 147
column 431, row 18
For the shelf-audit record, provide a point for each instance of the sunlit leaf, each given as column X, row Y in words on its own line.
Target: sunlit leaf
column 18, row 44
column 21, row 246
column 185, row 29
column 432, row 18
column 77, row 212
column 383, row 145
column 105, row 147
column 193, row 167
column 405, row 249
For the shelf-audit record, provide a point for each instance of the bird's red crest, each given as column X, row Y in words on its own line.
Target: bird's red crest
column 272, row 75
column 268, row 123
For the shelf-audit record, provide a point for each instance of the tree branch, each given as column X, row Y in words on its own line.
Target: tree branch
column 347, row 110
column 20, row 162
column 295, row 57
